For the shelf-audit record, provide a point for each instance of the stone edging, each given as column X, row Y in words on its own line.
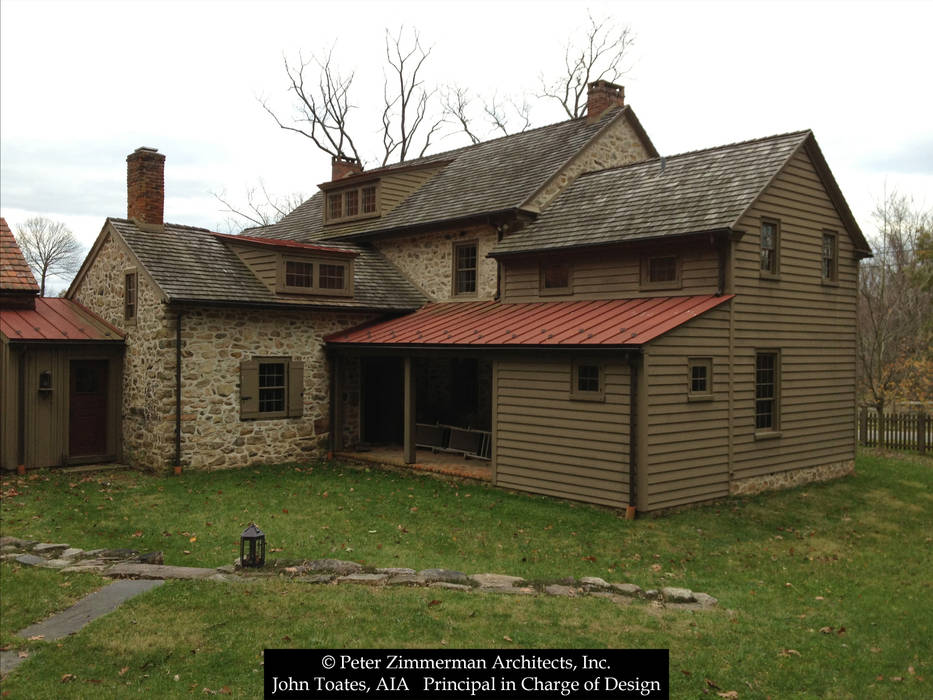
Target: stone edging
column 127, row 563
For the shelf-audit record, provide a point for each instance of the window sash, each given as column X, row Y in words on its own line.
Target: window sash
column 272, row 384
column 766, row 391
column 555, row 276
column 588, row 378
column 369, row 199
column 129, row 296
column 829, row 257
column 663, row 269
column 299, row 274
column 769, row 243
column 465, row 268
column 331, row 276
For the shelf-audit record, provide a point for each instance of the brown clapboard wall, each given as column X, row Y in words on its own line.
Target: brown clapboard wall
column 812, row 325
column 614, row 273
column 686, row 442
column 549, row 444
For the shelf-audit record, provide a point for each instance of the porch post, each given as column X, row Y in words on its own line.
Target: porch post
column 336, row 400
column 409, row 449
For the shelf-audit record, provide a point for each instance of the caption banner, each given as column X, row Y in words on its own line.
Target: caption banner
column 337, row 674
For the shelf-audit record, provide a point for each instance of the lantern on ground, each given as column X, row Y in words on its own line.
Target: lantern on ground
column 252, row 547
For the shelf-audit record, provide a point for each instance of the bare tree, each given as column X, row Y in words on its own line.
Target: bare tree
column 599, row 56
column 502, row 114
column 456, row 104
column 322, row 106
column 407, row 102
column 260, row 208
column 50, row 249
column 895, row 307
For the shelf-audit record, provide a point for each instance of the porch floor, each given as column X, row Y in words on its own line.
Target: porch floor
column 425, row 460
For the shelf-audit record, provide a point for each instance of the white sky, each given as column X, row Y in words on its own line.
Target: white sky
column 82, row 84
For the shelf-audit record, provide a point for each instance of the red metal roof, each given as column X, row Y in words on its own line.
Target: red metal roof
column 283, row 243
column 55, row 320
column 611, row 322
column 15, row 274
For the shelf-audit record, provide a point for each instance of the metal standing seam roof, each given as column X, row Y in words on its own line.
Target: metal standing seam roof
column 599, row 323
column 56, row 320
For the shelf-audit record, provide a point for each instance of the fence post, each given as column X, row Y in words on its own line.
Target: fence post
column 922, row 432
column 863, row 426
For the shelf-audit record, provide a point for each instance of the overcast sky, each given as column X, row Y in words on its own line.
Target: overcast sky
column 82, row 84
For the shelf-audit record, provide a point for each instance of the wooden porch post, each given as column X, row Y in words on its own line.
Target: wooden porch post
column 409, row 449
column 336, row 399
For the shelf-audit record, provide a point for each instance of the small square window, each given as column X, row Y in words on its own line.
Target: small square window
column 465, row 268
column 588, row 382
column 700, row 378
column 299, row 274
column 830, row 257
column 332, row 276
column 660, row 272
column 769, row 247
column 555, row 277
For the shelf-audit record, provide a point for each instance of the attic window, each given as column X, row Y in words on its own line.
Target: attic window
column 316, row 276
column 555, row 278
column 352, row 203
column 130, row 289
column 830, row 256
column 660, row 272
column 770, row 248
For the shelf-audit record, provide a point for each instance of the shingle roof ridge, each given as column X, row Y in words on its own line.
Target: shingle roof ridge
column 440, row 155
column 698, row 151
column 166, row 224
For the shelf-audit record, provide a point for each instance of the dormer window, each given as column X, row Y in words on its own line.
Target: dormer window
column 349, row 204
column 316, row 276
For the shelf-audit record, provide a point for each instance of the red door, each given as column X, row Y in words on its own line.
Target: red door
column 88, row 408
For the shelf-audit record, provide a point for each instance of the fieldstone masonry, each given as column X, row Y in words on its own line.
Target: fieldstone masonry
column 129, row 564
column 790, row 479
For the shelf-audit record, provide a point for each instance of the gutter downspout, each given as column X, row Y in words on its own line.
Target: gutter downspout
column 178, row 390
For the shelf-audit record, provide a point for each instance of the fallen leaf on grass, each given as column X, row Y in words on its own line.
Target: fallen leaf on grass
column 790, row 652
column 507, row 638
column 896, row 679
column 730, row 694
column 193, row 539
column 826, row 630
column 69, row 677
column 711, row 684
column 590, row 558
column 36, row 637
column 23, row 654
column 910, row 670
column 874, row 650
column 138, row 533
column 225, row 690
column 434, row 602
column 186, row 551
column 276, row 549
column 656, row 567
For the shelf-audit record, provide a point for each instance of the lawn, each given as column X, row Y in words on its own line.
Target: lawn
column 824, row 590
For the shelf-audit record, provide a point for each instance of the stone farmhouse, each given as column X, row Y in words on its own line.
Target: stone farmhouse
column 599, row 322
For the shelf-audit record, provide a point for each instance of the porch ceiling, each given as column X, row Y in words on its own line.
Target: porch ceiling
column 612, row 322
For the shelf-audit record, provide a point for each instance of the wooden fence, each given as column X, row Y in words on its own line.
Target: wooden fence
column 896, row 431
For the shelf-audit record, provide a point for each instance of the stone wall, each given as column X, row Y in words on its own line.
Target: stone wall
column 427, row 260
column 149, row 363
column 214, row 343
column 792, row 478
column 617, row 145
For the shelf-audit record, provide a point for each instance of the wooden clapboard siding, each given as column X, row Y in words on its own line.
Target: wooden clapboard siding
column 613, row 274
column 262, row 263
column 547, row 443
column 812, row 325
column 9, row 405
column 395, row 188
column 686, row 442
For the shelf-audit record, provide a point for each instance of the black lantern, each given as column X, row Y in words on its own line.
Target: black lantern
column 252, row 538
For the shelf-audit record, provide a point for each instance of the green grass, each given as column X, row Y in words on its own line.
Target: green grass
column 852, row 557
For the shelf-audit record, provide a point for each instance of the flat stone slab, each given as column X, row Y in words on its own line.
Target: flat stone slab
column 594, row 581
column 395, row 571
column 706, row 600
column 407, row 580
column 447, row 575
column 49, row 548
column 87, row 609
column 57, row 563
column 317, row 578
column 678, row 595
column 365, row 579
column 117, row 554
column 557, row 589
column 17, row 542
column 450, row 586
column 71, row 553
column 87, row 566
column 629, row 589
column 155, row 571
column 334, row 566
column 10, row 660
column 29, row 560
column 496, row 580
column 508, row 590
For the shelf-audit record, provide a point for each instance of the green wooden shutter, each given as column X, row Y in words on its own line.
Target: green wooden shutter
column 249, row 389
column 296, row 388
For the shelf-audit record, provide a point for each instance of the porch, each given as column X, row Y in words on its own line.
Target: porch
column 425, row 460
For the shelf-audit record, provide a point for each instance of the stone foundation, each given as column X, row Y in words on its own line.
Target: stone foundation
column 792, row 478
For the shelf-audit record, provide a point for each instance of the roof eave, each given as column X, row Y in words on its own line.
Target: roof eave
column 293, row 306
column 733, row 233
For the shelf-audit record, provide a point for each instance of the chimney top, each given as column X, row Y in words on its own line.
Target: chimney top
column 343, row 166
column 600, row 96
column 145, row 188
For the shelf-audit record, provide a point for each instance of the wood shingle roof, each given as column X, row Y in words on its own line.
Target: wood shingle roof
column 15, row 275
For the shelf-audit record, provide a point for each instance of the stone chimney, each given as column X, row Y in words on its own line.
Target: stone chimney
column 602, row 95
column 145, row 187
column 342, row 166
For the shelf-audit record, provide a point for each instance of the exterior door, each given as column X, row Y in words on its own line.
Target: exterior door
column 87, row 409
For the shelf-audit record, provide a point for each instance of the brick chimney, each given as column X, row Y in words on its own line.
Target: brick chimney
column 600, row 96
column 145, row 187
column 342, row 166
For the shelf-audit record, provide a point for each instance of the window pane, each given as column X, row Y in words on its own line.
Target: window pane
column 334, row 202
column 465, row 268
column 557, row 276
column 369, row 199
column 587, row 378
column 662, row 269
column 698, row 378
column 768, row 247
column 271, row 387
column 353, row 203
column 829, row 256
column 332, row 276
column 299, row 274
column 765, row 390
column 129, row 295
